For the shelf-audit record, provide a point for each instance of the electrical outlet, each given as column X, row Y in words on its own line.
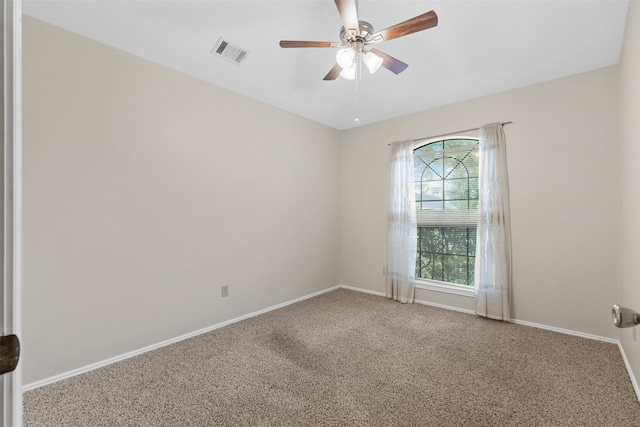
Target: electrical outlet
column 225, row 291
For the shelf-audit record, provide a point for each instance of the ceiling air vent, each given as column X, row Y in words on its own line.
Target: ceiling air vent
column 229, row 51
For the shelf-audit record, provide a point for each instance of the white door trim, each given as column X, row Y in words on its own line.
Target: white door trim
column 11, row 199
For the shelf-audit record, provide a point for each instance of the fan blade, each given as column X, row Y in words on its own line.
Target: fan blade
column 410, row 26
column 349, row 14
column 390, row 63
column 333, row 74
column 294, row 43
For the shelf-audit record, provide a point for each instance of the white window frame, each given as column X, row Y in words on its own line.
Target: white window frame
column 444, row 287
column 436, row 285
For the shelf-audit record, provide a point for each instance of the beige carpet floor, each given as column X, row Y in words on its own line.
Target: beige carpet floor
column 351, row 359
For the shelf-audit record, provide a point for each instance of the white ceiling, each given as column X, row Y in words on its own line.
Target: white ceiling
column 479, row 47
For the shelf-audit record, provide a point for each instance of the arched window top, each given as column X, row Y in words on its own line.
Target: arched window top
column 445, row 143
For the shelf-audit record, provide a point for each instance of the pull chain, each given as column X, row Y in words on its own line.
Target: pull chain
column 358, row 76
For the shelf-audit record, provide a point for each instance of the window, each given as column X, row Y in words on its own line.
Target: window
column 446, row 184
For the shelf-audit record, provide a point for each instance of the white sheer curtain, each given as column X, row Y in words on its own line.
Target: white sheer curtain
column 493, row 245
column 401, row 263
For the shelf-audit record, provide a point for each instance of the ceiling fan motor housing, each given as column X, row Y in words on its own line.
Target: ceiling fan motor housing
column 357, row 42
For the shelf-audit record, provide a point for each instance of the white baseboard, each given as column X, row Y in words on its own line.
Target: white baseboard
column 417, row 301
column 533, row 325
column 519, row 322
column 446, row 307
column 130, row 354
column 629, row 370
column 566, row 331
column 156, row 346
column 365, row 291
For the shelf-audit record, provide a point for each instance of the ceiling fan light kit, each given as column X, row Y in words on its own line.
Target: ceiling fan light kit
column 345, row 57
column 356, row 35
column 373, row 62
column 349, row 72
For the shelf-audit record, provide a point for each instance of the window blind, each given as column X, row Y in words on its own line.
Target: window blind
column 446, row 184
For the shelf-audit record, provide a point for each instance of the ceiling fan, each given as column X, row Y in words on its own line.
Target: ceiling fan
column 356, row 36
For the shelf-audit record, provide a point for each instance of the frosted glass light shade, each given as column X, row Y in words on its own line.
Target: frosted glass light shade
column 349, row 72
column 345, row 57
column 373, row 62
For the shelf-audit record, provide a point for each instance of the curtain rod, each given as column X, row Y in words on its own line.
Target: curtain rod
column 451, row 133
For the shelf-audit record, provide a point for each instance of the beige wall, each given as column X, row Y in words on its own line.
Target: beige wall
column 629, row 157
column 561, row 154
column 146, row 190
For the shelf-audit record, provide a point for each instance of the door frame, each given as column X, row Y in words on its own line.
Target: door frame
column 11, row 194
